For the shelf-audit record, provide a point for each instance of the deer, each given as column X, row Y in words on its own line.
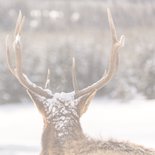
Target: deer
column 61, row 112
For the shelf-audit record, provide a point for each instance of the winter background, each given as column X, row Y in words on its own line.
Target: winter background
column 54, row 32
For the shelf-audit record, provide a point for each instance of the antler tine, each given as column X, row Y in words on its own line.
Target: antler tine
column 18, row 23
column 116, row 44
column 8, row 56
column 113, row 61
column 74, row 79
column 47, row 79
column 112, row 26
column 17, row 43
column 17, row 72
column 113, row 30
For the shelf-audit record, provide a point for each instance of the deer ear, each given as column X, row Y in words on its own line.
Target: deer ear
column 84, row 102
column 38, row 101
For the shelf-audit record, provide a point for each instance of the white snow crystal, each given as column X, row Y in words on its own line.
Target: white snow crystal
column 17, row 39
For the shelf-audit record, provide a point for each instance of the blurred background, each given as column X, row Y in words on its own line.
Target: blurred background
column 57, row 30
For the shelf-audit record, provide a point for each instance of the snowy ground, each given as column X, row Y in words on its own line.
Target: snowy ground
column 21, row 125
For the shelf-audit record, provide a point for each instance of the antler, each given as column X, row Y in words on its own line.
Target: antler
column 74, row 79
column 18, row 72
column 113, row 61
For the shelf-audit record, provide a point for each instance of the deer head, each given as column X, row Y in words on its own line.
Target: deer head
column 61, row 111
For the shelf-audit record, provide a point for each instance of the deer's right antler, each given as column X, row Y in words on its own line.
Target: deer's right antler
column 17, row 71
column 113, row 62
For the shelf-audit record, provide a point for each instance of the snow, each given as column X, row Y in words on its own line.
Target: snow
column 17, row 39
column 21, row 125
column 64, row 96
column 56, row 103
column 59, row 114
column 132, row 121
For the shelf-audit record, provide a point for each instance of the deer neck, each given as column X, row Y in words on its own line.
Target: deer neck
column 62, row 133
column 62, row 121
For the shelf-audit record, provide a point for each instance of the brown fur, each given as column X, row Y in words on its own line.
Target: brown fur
column 92, row 147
